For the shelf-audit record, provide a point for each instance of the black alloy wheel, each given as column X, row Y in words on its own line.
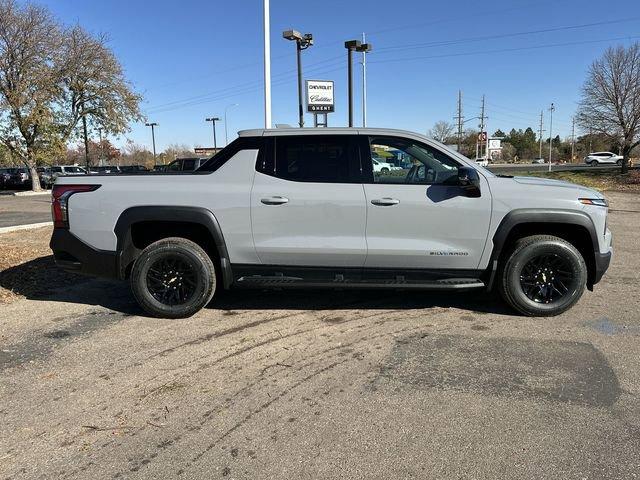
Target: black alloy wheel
column 547, row 278
column 172, row 280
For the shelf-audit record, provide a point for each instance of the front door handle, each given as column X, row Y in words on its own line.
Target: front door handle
column 277, row 200
column 385, row 202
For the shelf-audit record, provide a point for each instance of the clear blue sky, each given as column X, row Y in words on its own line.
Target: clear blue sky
column 191, row 59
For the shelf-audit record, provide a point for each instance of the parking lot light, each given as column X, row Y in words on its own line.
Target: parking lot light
column 302, row 43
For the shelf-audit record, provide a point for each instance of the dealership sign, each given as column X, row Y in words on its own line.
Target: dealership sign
column 320, row 96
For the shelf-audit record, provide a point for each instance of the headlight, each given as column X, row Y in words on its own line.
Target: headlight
column 598, row 202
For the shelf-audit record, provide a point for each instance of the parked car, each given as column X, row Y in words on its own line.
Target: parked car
column 595, row 159
column 106, row 169
column 538, row 161
column 297, row 208
column 159, row 168
column 59, row 170
column 383, row 167
column 20, row 178
column 133, row 169
column 5, row 175
column 482, row 161
column 185, row 164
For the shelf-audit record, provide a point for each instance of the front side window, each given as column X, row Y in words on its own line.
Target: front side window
column 405, row 161
column 315, row 158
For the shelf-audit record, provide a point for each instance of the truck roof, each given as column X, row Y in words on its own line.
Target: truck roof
column 259, row 132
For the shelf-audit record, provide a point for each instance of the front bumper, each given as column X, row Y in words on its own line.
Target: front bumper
column 602, row 261
column 72, row 254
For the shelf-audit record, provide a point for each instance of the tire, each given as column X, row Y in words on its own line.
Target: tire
column 619, row 163
column 384, row 170
column 173, row 278
column 523, row 277
column 594, row 163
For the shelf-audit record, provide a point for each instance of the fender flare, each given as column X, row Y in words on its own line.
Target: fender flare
column 538, row 215
column 126, row 252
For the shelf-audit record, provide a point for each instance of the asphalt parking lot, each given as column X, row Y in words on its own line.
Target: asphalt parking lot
column 24, row 210
column 328, row 384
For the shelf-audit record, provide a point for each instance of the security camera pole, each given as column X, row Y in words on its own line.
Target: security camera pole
column 213, row 121
column 302, row 43
column 153, row 138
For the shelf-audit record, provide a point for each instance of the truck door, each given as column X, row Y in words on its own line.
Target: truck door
column 417, row 215
column 307, row 202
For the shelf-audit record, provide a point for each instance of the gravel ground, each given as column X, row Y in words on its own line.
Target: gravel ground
column 324, row 384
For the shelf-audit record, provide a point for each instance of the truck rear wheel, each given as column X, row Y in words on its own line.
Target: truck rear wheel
column 173, row 278
column 543, row 276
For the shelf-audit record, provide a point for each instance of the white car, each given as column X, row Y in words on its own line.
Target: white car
column 383, row 167
column 595, row 159
column 538, row 161
column 482, row 161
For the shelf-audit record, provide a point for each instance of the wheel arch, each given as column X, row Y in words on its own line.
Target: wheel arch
column 573, row 226
column 139, row 226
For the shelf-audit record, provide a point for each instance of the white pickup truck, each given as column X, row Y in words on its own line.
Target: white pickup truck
column 307, row 208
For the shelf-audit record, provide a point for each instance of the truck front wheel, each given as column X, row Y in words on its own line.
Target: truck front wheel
column 543, row 276
column 173, row 278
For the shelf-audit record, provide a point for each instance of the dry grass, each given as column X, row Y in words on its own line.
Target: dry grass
column 26, row 266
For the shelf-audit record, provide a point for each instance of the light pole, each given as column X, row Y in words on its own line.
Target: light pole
column 364, row 48
column 551, row 109
column 101, row 159
column 226, row 137
column 302, row 43
column 213, row 121
column 351, row 45
column 153, row 138
column 267, row 64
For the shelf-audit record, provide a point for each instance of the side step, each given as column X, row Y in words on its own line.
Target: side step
column 283, row 281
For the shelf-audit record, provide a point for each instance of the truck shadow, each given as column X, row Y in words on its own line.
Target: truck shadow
column 40, row 279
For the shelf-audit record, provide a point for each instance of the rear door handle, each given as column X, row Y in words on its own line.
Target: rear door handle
column 385, row 202
column 277, row 200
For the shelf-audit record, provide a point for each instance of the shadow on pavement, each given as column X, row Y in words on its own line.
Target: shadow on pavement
column 40, row 279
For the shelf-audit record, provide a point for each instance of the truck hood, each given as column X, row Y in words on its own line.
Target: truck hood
column 547, row 182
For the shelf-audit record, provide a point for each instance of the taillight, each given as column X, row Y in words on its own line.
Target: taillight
column 60, row 201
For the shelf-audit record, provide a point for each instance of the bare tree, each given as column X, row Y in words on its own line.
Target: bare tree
column 51, row 79
column 441, row 131
column 610, row 101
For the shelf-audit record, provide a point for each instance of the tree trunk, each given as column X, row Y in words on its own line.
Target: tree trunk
column 35, row 180
column 626, row 153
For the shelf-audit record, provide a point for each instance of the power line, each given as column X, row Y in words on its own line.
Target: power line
column 504, row 35
column 503, row 50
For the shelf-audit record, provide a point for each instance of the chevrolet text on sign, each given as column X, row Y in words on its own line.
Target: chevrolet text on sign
column 320, row 96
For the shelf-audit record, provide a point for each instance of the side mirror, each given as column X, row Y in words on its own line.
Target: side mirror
column 469, row 181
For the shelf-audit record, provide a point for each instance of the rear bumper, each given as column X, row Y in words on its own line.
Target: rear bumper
column 602, row 261
column 72, row 254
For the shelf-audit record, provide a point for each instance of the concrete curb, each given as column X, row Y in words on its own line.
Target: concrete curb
column 15, row 228
column 27, row 193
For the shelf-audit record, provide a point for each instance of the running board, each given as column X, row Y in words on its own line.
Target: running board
column 283, row 281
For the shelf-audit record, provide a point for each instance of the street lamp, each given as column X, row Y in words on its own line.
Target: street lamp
column 353, row 46
column 153, row 138
column 226, row 137
column 213, row 121
column 302, row 43
column 551, row 109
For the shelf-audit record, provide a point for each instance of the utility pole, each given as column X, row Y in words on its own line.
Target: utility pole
column 267, row 64
column 101, row 160
column 213, row 121
column 551, row 109
column 86, row 142
column 364, row 83
column 573, row 137
column 460, row 120
column 153, row 138
column 540, row 133
column 480, row 139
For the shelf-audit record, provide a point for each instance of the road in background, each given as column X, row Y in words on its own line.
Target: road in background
column 24, row 210
column 544, row 167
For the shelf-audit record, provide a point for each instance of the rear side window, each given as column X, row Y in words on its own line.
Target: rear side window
column 313, row 158
column 220, row 158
